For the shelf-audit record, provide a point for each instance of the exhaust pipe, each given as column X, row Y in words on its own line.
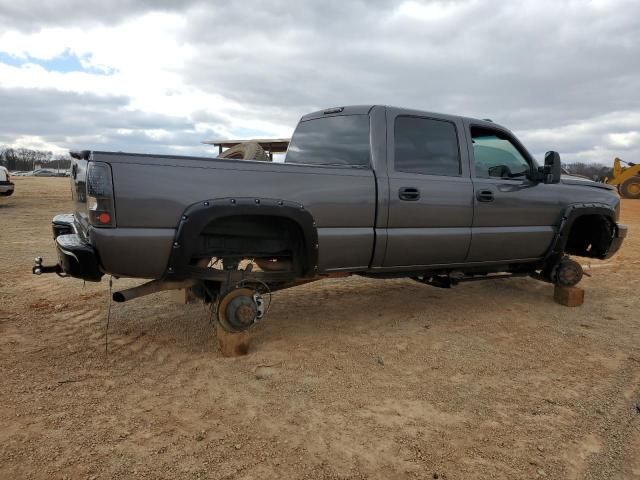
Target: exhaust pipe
column 149, row 288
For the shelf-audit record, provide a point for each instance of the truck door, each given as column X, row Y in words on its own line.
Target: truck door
column 430, row 190
column 514, row 217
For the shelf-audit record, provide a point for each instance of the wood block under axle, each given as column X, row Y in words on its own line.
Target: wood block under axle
column 183, row 296
column 568, row 296
column 233, row 344
column 177, row 296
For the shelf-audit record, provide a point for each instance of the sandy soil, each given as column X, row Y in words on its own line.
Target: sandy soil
column 347, row 378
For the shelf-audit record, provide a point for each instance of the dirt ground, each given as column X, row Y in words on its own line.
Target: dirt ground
column 347, row 378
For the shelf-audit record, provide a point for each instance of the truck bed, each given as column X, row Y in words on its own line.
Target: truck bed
column 153, row 191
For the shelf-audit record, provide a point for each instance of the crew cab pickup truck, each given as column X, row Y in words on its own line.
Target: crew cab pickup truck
column 371, row 190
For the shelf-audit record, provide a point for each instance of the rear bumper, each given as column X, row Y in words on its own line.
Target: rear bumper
column 6, row 188
column 93, row 252
column 76, row 257
column 621, row 233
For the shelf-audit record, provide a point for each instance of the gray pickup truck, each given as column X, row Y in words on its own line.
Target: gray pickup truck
column 371, row 190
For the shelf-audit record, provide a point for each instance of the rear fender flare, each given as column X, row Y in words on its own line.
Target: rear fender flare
column 197, row 216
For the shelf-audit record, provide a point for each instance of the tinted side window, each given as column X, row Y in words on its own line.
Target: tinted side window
column 340, row 140
column 495, row 155
column 426, row 146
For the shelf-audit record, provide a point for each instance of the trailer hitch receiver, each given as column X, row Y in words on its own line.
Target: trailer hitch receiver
column 39, row 268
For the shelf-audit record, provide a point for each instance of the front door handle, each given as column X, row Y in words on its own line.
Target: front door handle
column 409, row 194
column 484, row 195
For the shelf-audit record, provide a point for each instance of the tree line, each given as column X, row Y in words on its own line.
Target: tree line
column 593, row 171
column 27, row 159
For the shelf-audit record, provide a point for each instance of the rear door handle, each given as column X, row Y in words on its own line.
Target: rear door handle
column 484, row 195
column 409, row 194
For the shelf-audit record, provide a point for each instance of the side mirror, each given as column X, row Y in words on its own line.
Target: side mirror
column 552, row 167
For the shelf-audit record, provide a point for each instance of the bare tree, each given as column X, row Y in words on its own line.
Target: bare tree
column 30, row 159
column 594, row 171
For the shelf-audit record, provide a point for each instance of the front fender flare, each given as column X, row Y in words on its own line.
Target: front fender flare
column 570, row 215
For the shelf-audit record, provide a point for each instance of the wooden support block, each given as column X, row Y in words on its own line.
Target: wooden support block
column 190, row 297
column 177, row 296
column 233, row 344
column 568, row 296
column 183, row 296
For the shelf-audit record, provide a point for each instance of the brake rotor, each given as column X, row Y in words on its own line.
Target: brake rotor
column 568, row 273
column 238, row 310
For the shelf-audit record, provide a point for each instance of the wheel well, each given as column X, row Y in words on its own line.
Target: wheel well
column 244, row 228
column 590, row 236
column 253, row 236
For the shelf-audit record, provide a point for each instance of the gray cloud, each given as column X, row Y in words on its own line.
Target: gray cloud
column 528, row 65
column 73, row 120
column 31, row 15
column 563, row 75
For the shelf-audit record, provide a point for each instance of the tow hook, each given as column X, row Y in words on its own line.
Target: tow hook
column 39, row 269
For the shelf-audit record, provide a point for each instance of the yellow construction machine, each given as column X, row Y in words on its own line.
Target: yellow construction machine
column 626, row 178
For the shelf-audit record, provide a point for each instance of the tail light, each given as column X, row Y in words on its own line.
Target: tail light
column 100, row 203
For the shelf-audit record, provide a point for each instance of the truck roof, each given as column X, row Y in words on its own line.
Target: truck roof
column 279, row 145
column 365, row 109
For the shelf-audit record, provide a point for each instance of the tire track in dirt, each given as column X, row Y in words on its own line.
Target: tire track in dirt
column 620, row 422
column 135, row 341
column 169, row 338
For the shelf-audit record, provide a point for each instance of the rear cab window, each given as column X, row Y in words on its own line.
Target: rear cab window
column 426, row 146
column 341, row 140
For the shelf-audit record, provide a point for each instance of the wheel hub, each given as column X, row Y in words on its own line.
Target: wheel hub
column 568, row 273
column 245, row 312
column 239, row 309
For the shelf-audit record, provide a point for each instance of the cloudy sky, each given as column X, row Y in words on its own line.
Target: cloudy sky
column 162, row 75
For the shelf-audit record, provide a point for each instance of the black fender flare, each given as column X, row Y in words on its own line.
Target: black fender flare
column 198, row 215
column 568, row 218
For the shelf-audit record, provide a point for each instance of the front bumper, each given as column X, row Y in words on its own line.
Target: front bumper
column 76, row 258
column 618, row 237
column 6, row 188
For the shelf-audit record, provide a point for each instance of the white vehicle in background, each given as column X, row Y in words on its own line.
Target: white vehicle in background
column 6, row 187
column 42, row 172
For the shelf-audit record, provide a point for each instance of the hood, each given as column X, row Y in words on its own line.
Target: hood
column 584, row 182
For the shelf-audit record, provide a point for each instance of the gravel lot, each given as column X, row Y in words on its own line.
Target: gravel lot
column 347, row 378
